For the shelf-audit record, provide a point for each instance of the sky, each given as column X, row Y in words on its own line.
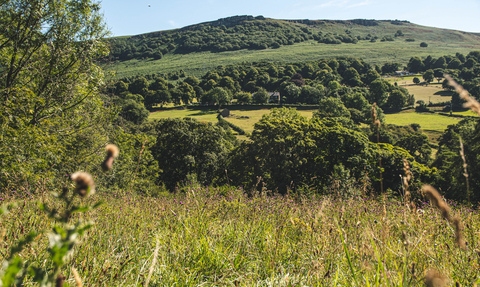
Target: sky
column 132, row 17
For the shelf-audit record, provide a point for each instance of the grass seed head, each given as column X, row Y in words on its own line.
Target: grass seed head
column 459, row 239
column 437, row 200
column 433, row 278
column 85, row 185
column 471, row 103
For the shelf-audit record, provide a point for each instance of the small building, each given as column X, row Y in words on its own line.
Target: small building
column 274, row 97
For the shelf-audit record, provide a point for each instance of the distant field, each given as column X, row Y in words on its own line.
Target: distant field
column 373, row 53
column 433, row 125
column 204, row 116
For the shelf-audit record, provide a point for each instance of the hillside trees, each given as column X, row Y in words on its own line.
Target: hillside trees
column 51, row 115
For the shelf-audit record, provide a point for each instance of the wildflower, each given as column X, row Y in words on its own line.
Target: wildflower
column 84, row 183
column 112, row 153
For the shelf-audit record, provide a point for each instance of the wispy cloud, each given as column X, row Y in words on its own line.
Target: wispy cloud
column 171, row 22
column 366, row 2
column 337, row 3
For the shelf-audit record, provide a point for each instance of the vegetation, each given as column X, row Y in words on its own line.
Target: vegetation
column 317, row 197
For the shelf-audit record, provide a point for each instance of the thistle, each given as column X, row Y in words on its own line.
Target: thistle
column 112, row 153
column 85, row 185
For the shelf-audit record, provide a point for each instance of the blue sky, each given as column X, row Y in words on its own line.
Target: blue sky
column 131, row 17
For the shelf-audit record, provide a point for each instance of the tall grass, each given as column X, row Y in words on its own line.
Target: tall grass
column 222, row 237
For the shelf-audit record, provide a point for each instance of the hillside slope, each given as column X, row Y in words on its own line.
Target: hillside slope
column 203, row 46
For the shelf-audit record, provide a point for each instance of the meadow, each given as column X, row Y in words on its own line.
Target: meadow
column 198, row 63
column 229, row 236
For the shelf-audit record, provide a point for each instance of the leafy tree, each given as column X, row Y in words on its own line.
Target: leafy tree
column 192, row 81
column 416, row 65
column 397, row 100
column 51, row 113
column 332, row 107
column 120, row 87
column 454, row 64
column 390, row 68
column 378, row 92
column 416, row 80
column 134, row 111
column 428, row 76
column 355, row 101
column 188, row 93
column 309, row 95
column 291, row 93
column 261, row 96
column 244, row 98
column 189, row 149
column 139, row 86
column 370, row 76
column 417, row 145
column 333, row 86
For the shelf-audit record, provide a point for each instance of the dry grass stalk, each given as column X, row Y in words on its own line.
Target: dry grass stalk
column 459, row 232
column 78, row 280
column 433, row 278
column 462, row 154
column 377, row 123
column 112, row 153
column 138, row 163
column 471, row 103
column 85, row 185
column 154, row 261
column 406, row 179
column 437, row 200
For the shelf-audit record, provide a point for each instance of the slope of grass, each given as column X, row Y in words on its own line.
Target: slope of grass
column 441, row 42
column 221, row 237
column 373, row 53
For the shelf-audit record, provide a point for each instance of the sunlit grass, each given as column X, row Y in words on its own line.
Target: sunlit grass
column 222, row 237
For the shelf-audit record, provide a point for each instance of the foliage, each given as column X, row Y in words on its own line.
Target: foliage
column 52, row 118
column 450, row 164
column 289, row 151
column 187, row 149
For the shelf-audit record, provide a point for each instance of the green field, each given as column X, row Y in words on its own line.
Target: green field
column 373, row 53
column 433, row 125
column 201, row 115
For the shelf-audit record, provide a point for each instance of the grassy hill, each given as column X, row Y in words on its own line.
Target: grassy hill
column 198, row 48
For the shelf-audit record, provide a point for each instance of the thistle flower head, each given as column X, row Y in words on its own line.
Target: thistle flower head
column 85, row 185
column 112, row 150
column 112, row 153
column 433, row 278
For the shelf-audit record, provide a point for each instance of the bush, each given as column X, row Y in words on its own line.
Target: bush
column 423, row 45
